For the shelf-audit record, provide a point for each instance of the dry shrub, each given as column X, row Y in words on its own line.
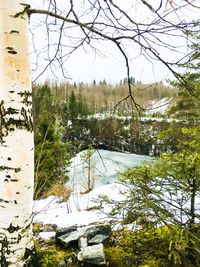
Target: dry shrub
column 59, row 190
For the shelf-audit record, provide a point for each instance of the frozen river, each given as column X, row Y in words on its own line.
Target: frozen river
column 102, row 168
column 79, row 209
column 82, row 206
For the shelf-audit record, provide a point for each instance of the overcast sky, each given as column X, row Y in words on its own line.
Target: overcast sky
column 85, row 66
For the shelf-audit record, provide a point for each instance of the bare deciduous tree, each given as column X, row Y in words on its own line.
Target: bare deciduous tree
column 16, row 137
column 160, row 31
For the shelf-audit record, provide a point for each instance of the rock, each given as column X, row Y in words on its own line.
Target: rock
column 82, row 242
column 101, row 229
column 80, row 237
column 63, row 231
column 92, row 254
column 71, row 238
column 97, row 239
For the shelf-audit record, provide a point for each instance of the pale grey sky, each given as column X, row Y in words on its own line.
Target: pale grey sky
column 85, row 65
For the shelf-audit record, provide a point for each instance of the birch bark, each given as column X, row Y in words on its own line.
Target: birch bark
column 16, row 137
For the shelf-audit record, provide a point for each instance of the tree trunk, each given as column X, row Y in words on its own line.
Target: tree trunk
column 192, row 203
column 16, row 137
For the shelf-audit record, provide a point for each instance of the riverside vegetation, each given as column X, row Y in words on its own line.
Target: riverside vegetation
column 162, row 196
column 63, row 126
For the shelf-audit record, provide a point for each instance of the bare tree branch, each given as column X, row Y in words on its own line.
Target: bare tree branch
column 166, row 29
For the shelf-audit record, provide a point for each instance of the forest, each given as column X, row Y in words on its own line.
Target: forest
column 63, row 114
column 99, row 133
column 162, row 195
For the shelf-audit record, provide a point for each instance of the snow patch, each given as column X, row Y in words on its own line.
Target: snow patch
column 47, row 235
column 158, row 106
column 79, row 210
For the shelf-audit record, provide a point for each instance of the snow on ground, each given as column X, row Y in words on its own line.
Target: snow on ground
column 47, row 235
column 80, row 208
column 158, row 106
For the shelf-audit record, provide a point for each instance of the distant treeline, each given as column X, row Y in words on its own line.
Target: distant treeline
column 103, row 97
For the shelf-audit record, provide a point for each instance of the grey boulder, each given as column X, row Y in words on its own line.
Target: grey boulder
column 71, row 238
column 98, row 239
column 101, row 229
column 92, row 254
column 63, row 231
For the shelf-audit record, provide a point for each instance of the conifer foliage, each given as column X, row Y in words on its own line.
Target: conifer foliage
column 52, row 155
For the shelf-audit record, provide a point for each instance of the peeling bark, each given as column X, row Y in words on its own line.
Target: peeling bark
column 16, row 137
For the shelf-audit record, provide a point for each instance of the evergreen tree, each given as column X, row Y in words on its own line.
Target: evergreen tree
column 52, row 155
column 73, row 106
column 187, row 106
column 166, row 192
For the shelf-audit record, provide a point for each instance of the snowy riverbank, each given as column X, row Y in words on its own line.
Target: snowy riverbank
column 81, row 209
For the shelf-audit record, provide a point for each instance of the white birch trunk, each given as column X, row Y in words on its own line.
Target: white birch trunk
column 16, row 137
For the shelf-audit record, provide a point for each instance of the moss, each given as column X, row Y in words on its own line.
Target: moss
column 160, row 247
column 37, row 227
column 49, row 255
column 134, row 249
